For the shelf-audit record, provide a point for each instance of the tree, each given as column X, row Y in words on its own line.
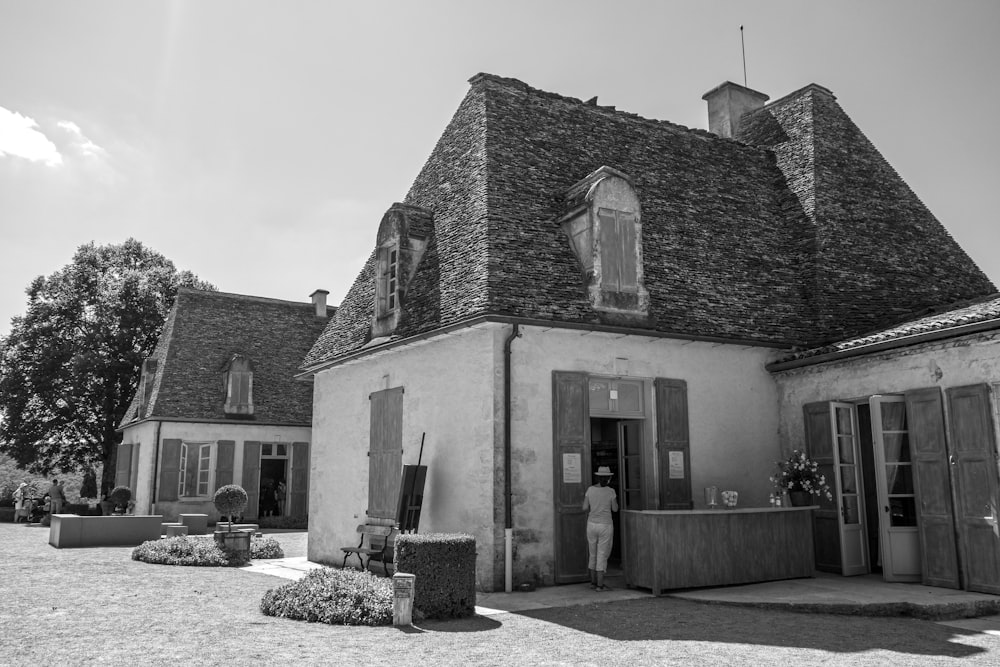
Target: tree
column 71, row 363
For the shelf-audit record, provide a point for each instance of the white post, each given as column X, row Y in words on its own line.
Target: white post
column 402, row 598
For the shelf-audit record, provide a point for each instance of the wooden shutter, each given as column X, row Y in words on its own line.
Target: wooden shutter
column 611, row 251
column 626, row 229
column 826, row 522
column 299, row 480
column 170, row 462
column 973, row 452
column 385, row 455
column 251, row 477
column 932, row 486
column 123, row 465
column 224, row 463
column 673, row 439
column 571, row 464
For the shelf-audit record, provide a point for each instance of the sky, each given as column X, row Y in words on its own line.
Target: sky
column 258, row 144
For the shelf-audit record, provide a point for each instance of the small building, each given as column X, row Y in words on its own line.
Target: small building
column 217, row 404
column 568, row 286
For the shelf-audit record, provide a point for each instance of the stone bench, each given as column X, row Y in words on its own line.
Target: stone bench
column 70, row 530
column 176, row 531
column 197, row 524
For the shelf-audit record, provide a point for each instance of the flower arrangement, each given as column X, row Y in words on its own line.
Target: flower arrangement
column 800, row 473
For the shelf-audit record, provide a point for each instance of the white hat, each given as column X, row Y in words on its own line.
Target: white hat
column 603, row 471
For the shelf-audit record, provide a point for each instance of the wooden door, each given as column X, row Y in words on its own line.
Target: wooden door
column 932, row 485
column 826, row 523
column 974, row 459
column 571, row 466
column 847, row 490
column 898, row 534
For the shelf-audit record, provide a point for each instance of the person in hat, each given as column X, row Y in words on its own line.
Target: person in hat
column 21, row 496
column 600, row 500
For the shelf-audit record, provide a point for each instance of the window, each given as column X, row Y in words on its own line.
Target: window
column 388, row 283
column 145, row 389
column 603, row 225
column 238, row 382
column 196, row 469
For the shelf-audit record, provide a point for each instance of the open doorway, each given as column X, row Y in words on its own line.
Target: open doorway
column 617, row 444
column 272, row 500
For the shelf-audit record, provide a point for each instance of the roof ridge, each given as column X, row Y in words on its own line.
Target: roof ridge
column 241, row 297
column 517, row 84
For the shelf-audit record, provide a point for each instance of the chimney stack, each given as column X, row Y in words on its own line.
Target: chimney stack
column 319, row 301
column 727, row 104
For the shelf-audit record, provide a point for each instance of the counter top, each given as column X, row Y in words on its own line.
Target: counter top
column 734, row 510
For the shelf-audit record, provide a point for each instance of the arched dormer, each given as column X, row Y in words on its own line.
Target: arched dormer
column 603, row 222
column 401, row 242
column 237, row 381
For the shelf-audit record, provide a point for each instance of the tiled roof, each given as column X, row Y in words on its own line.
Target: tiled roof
column 953, row 321
column 798, row 234
column 204, row 330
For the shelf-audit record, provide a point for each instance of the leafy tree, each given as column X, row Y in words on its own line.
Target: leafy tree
column 71, row 363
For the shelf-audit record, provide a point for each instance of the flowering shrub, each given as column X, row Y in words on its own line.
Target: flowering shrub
column 336, row 597
column 800, row 473
column 201, row 550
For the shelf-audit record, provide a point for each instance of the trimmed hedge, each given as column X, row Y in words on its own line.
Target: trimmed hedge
column 445, row 569
column 202, row 551
column 333, row 596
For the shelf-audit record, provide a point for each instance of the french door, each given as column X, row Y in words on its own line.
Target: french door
column 898, row 534
column 847, row 489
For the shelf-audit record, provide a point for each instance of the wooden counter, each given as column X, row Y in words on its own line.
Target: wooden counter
column 667, row 550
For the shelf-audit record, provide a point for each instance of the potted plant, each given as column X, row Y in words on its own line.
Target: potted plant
column 119, row 497
column 230, row 500
column 799, row 476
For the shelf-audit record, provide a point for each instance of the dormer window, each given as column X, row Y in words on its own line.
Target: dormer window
column 604, row 226
column 237, row 377
column 145, row 389
column 402, row 240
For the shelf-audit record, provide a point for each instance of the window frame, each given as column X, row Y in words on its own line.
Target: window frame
column 388, row 278
column 204, row 453
column 238, row 380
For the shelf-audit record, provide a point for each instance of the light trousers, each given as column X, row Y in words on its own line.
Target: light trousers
column 599, row 536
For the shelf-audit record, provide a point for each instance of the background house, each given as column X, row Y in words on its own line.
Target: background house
column 217, row 404
column 568, row 285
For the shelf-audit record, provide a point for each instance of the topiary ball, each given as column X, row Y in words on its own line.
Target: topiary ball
column 230, row 499
column 120, row 495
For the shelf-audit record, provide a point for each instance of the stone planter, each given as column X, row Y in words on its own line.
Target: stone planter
column 237, row 541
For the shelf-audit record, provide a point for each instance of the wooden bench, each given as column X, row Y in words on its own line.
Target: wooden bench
column 381, row 542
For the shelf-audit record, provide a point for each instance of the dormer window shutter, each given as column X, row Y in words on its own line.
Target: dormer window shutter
column 238, row 381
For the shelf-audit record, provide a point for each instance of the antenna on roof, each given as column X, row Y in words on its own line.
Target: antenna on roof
column 744, row 48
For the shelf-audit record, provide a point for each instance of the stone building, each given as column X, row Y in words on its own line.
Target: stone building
column 567, row 285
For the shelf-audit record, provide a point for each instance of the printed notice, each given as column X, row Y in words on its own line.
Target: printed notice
column 676, row 460
column 572, row 472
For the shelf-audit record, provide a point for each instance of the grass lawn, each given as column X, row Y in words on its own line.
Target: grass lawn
column 84, row 606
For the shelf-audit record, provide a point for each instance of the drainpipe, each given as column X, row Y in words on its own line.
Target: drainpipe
column 156, row 469
column 508, row 532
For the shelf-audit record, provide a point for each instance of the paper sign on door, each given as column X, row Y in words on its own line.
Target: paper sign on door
column 572, row 469
column 676, row 461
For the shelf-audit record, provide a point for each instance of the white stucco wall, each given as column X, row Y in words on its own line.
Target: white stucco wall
column 145, row 435
column 965, row 361
column 453, row 391
column 449, row 393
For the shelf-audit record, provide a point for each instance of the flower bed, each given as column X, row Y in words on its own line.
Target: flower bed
column 202, row 551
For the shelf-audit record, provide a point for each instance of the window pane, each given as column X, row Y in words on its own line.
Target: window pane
column 281, row 450
column 845, row 447
column 845, row 424
column 900, row 479
column 893, row 416
column 600, row 395
column 897, row 447
column 204, row 460
column 847, row 479
column 629, row 399
column 851, row 513
column 902, row 512
column 181, row 477
column 265, row 450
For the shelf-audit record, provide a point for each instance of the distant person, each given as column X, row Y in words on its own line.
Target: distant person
column 600, row 500
column 56, row 496
column 279, row 495
column 21, row 498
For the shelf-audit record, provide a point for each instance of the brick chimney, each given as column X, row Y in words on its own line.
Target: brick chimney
column 727, row 104
column 319, row 301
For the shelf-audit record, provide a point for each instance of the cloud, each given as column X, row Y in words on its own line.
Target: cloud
column 21, row 137
column 80, row 142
